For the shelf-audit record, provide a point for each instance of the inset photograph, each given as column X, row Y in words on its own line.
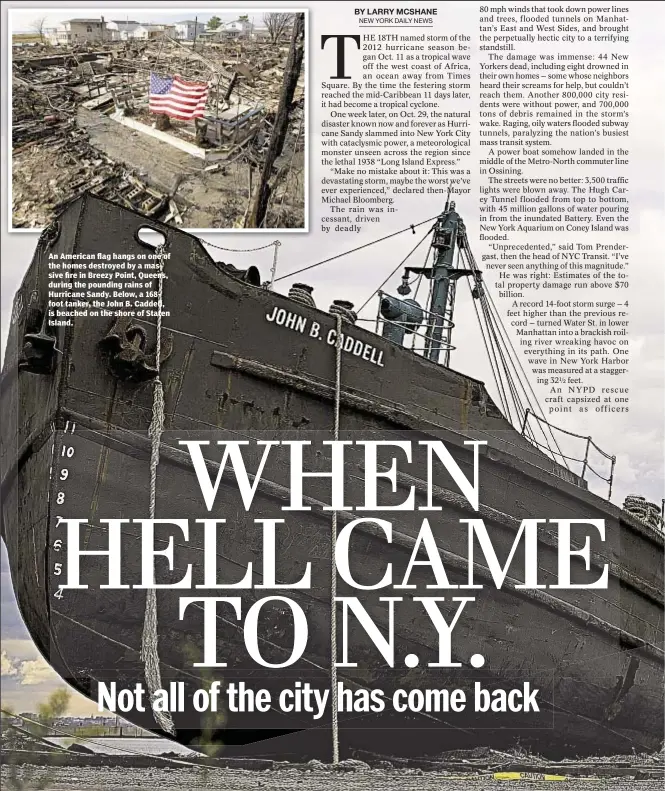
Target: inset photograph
column 197, row 119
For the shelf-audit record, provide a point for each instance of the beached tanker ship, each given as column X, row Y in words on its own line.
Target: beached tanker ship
column 234, row 359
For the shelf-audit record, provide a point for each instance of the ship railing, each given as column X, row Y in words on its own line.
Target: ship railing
column 586, row 466
column 444, row 323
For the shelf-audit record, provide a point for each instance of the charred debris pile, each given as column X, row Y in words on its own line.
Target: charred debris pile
column 22, row 749
column 66, row 102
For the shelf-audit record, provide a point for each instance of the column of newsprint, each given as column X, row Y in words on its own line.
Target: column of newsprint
column 523, row 112
column 555, row 181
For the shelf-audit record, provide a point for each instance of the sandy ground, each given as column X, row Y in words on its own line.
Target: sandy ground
column 64, row 779
column 44, row 175
column 206, row 199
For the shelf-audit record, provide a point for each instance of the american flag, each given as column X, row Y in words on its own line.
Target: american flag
column 177, row 98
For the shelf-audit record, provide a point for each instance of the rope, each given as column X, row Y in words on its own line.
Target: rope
column 274, row 244
column 401, row 264
column 522, row 380
column 273, row 269
column 344, row 309
column 411, row 227
column 491, row 356
column 570, row 434
column 300, row 292
column 150, row 637
column 644, row 510
column 333, row 565
column 499, row 343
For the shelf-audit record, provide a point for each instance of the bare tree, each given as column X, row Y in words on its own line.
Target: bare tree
column 277, row 25
column 39, row 25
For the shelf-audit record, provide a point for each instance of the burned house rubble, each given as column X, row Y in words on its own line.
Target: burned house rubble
column 81, row 121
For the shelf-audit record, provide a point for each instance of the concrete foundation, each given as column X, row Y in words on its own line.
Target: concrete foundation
column 206, row 155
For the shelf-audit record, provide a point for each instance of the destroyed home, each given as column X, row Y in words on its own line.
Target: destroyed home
column 108, row 116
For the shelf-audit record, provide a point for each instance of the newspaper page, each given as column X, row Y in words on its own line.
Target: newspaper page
column 332, row 394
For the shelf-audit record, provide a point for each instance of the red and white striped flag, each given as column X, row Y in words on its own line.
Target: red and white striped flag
column 177, row 98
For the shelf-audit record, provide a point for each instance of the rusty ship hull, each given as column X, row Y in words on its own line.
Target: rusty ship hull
column 244, row 362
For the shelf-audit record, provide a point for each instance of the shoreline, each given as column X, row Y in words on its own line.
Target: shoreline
column 291, row 779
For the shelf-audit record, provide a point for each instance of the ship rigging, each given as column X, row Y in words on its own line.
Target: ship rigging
column 431, row 328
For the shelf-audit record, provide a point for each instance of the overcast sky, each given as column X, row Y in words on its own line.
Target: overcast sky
column 635, row 438
column 22, row 19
